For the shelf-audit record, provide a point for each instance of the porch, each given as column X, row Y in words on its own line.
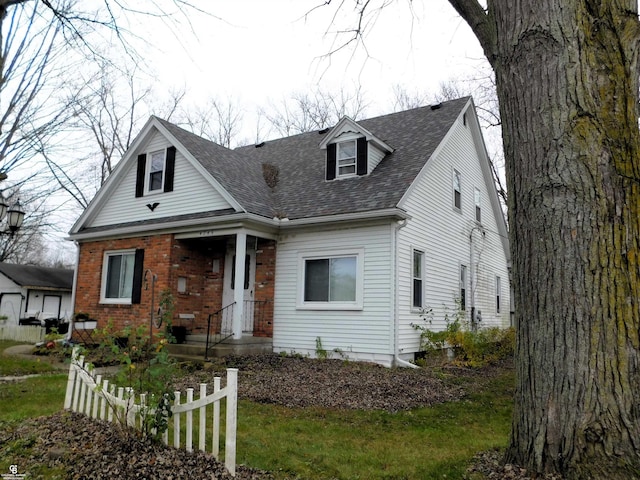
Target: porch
column 195, row 347
column 217, row 295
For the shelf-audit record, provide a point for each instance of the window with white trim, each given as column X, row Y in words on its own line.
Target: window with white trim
column 346, row 158
column 418, row 279
column 498, row 294
column 478, row 202
column 156, row 168
column 117, row 276
column 463, row 287
column 457, row 190
column 331, row 281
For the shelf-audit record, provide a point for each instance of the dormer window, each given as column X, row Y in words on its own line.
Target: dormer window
column 352, row 150
column 346, row 158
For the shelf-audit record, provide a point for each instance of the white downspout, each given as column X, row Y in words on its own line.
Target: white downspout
column 73, row 294
column 395, row 308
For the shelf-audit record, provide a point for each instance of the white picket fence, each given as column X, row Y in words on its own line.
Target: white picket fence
column 95, row 397
column 22, row 333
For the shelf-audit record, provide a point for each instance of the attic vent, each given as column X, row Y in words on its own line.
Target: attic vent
column 436, row 106
column 323, row 131
column 259, row 145
column 270, row 174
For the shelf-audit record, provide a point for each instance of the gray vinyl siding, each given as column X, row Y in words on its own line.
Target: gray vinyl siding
column 362, row 334
column 443, row 233
column 192, row 193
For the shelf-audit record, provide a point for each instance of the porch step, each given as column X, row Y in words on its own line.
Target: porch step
column 195, row 346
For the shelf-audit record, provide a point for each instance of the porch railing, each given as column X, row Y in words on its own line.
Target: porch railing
column 219, row 327
column 253, row 314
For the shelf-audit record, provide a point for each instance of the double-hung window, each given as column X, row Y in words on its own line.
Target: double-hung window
column 331, row 281
column 457, row 190
column 117, row 276
column 498, row 294
column 418, row 279
column 346, row 156
column 156, row 171
column 478, row 201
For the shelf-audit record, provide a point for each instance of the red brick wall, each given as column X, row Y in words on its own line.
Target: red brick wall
column 264, row 288
column 171, row 259
column 157, row 255
column 195, row 262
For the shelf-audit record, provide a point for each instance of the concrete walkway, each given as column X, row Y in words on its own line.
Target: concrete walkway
column 26, row 352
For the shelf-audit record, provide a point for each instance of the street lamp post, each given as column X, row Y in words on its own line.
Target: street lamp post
column 13, row 214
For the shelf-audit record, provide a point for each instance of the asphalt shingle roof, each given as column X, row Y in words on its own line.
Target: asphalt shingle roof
column 38, row 277
column 301, row 190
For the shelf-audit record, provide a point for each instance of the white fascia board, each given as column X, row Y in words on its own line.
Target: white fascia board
column 393, row 213
column 261, row 226
column 185, row 228
column 347, row 124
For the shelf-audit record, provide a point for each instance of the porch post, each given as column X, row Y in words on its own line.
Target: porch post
column 238, row 291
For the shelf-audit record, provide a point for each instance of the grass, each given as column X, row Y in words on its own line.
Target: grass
column 29, row 398
column 32, row 397
column 312, row 443
column 12, row 366
column 425, row 443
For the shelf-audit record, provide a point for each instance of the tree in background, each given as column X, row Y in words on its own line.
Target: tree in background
column 305, row 112
column 41, row 43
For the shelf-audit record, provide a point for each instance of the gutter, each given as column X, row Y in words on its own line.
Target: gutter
column 398, row 362
column 232, row 221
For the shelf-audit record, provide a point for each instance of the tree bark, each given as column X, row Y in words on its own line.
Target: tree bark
column 567, row 82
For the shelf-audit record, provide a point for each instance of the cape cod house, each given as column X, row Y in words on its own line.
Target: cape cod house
column 347, row 234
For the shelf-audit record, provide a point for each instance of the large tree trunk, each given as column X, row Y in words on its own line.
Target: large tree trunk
column 567, row 81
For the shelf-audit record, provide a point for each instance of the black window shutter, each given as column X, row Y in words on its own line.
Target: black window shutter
column 362, row 156
column 170, row 167
column 331, row 161
column 138, row 269
column 142, row 164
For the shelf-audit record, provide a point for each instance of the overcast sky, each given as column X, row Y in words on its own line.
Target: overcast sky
column 257, row 50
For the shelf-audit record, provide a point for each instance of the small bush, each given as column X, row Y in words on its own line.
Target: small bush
column 145, row 367
column 471, row 348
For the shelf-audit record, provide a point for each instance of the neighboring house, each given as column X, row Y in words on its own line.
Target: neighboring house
column 27, row 291
column 348, row 234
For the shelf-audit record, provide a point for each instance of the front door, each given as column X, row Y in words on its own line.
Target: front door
column 229, row 284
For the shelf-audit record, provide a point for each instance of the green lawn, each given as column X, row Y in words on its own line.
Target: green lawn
column 424, row 443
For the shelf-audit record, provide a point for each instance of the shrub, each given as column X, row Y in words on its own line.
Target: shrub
column 471, row 348
column 145, row 367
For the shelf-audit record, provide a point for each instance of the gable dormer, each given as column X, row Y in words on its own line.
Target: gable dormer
column 352, row 150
